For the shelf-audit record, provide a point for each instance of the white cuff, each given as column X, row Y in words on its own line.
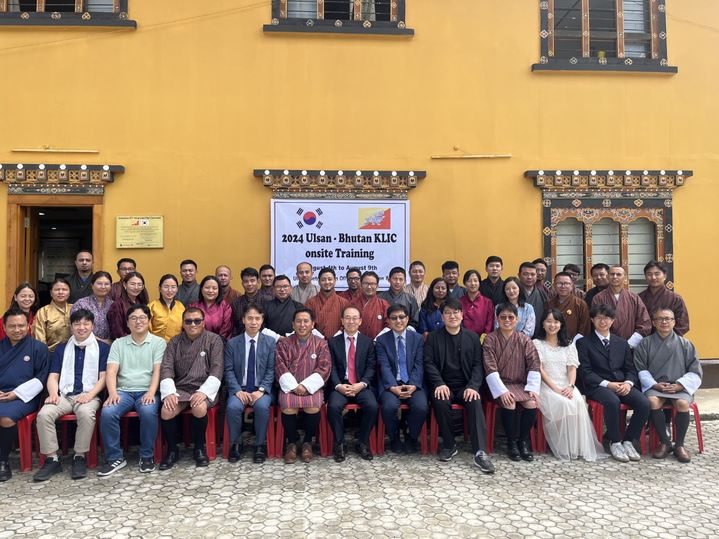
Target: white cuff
column 339, row 332
column 577, row 337
column 691, row 382
column 313, row 383
column 534, row 380
column 271, row 333
column 385, row 330
column 316, row 333
column 646, row 380
column 635, row 339
column 628, row 382
column 496, row 386
column 167, row 388
column 604, row 383
column 288, row 382
column 29, row 390
column 410, row 328
column 210, row 387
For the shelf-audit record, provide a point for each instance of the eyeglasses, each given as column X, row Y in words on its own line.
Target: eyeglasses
column 664, row 319
column 603, row 318
column 140, row 318
column 398, row 317
column 450, row 314
column 507, row 317
column 351, row 318
column 373, row 285
column 193, row 321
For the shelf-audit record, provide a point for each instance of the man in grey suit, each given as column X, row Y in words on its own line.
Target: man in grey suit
column 249, row 373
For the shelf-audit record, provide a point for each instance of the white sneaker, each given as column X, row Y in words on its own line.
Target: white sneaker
column 630, row 451
column 617, row 451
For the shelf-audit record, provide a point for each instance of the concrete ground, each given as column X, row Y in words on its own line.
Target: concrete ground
column 708, row 402
column 392, row 496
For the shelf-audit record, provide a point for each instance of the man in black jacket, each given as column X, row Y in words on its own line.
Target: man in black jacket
column 453, row 370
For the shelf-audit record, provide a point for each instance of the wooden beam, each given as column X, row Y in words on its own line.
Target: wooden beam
column 98, row 238
column 620, row 29
column 550, row 29
column 585, row 28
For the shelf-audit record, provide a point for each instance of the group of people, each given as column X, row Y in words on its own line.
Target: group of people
column 102, row 349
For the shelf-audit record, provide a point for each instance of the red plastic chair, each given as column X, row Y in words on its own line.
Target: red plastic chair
column 434, row 428
column 91, row 454
column 372, row 434
column 536, row 435
column 654, row 439
column 423, row 445
column 596, row 411
column 210, row 434
column 322, row 436
column 24, row 434
column 270, row 435
column 125, row 420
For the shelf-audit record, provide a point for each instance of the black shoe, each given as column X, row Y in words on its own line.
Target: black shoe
column 513, row 451
column 79, row 467
column 201, row 459
column 260, row 455
column 411, row 446
column 111, row 467
column 338, row 452
column 395, row 445
column 147, row 465
column 235, row 453
column 446, row 454
column 525, row 451
column 50, row 468
column 170, row 460
column 5, row 471
column 482, row 462
column 364, row 451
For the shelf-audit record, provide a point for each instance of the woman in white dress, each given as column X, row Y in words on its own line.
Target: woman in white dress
column 566, row 422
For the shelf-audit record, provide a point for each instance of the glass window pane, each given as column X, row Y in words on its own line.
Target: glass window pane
column 99, row 6
column 642, row 249
column 603, row 28
column 637, row 28
column 570, row 243
column 605, row 242
column 568, row 28
column 302, row 9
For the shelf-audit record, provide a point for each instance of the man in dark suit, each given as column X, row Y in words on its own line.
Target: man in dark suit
column 353, row 369
column 454, row 371
column 607, row 371
column 249, row 373
column 400, row 360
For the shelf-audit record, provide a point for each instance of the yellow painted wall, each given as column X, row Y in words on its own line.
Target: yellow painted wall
column 198, row 96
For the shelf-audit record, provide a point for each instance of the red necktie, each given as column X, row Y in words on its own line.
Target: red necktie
column 351, row 367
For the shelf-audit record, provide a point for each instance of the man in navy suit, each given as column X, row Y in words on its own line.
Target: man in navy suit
column 400, row 360
column 353, row 370
column 607, row 370
column 249, row 373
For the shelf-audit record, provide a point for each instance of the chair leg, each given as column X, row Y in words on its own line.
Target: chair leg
column 210, row 435
column 698, row 425
column 271, row 444
column 423, row 445
column 433, row 433
column 225, row 440
column 380, row 434
column 325, row 433
column 490, row 417
column 24, row 430
column 279, row 434
column 92, row 453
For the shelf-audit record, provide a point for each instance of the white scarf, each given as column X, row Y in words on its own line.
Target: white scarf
column 90, row 369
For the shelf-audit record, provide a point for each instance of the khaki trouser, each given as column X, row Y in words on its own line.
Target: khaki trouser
column 49, row 413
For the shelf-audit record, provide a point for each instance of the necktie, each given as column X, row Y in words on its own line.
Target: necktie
column 250, row 385
column 402, row 357
column 606, row 343
column 351, row 367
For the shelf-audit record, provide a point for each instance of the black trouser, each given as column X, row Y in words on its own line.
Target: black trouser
column 475, row 420
column 635, row 399
column 415, row 418
column 335, row 405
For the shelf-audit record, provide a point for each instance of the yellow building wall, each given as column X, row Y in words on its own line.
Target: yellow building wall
column 198, row 96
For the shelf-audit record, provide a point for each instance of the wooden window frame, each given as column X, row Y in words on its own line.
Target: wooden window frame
column 80, row 17
column 657, row 63
column 395, row 26
column 622, row 196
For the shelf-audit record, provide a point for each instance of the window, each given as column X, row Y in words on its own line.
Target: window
column 339, row 16
column 65, row 13
column 609, row 35
column 622, row 217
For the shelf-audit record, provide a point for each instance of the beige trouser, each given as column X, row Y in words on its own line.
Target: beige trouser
column 49, row 413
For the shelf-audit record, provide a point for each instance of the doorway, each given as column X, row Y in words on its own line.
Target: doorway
column 45, row 233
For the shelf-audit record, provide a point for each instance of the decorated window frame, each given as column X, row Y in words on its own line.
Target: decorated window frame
column 592, row 59
column 65, row 13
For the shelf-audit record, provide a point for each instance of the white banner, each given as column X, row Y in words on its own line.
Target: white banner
column 368, row 234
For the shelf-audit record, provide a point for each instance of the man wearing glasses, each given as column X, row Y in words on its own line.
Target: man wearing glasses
column 190, row 376
column 133, row 377
column 454, row 371
column 575, row 310
column 372, row 308
column 400, row 361
column 352, row 380
column 354, row 290
column 669, row 370
column 397, row 294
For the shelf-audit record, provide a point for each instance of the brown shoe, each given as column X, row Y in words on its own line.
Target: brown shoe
column 661, row 452
column 306, row 452
column 682, row 454
column 291, row 454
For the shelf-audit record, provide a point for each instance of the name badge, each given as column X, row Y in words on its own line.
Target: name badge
column 203, row 354
column 314, row 356
column 569, row 312
column 26, row 358
column 379, row 317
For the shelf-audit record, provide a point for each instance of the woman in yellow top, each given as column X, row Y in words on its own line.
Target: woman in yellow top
column 167, row 311
column 52, row 322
